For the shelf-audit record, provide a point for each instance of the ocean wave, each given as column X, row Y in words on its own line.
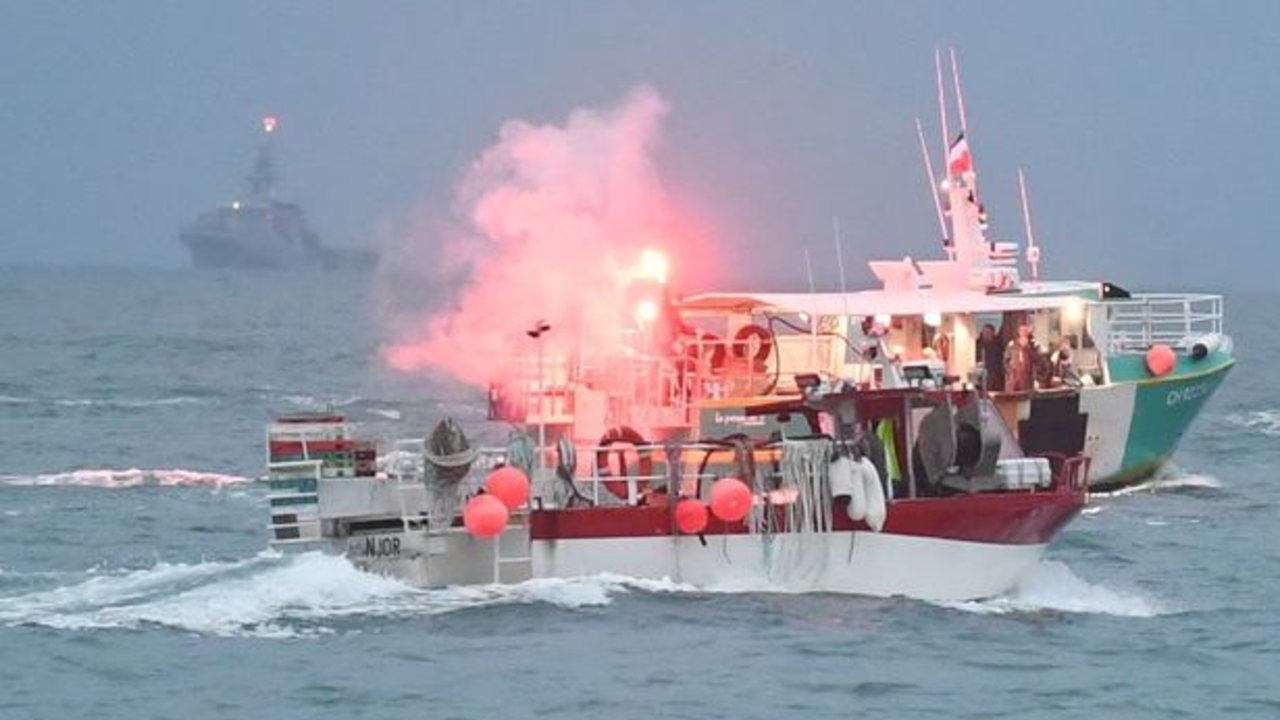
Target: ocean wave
column 1169, row 478
column 312, row 402
column 279, row 596
column 130, row 403
column 1052, row 587
column 132, row 477
column 1264, row 422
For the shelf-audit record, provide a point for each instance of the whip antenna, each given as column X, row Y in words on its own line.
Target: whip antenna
column 933, row 190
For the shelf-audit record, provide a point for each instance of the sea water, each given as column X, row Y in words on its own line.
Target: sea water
column 135, row 580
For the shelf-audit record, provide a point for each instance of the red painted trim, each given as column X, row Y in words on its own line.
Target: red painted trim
column 1002, row 518
column 294, row 447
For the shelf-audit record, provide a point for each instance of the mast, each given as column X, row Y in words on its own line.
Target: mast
column 955, row 78
column 1033, row 250
column 844, row 290
column 964, row 122
column 942, row 110
column 931, row 180
column 262, row 179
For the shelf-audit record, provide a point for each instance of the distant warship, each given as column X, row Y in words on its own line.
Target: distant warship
column 259, row 231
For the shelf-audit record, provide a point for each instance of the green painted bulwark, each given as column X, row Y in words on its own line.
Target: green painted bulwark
column 1163, row 408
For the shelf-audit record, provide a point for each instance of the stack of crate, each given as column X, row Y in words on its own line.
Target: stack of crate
column 313, row 437
column 366, row 458
column 301, row 450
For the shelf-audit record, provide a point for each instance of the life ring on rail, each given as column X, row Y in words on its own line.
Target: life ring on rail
column 742, row 343
column 707, row 348
column 644, row 461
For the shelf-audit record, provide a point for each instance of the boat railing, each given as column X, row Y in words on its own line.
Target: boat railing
column 633, row 388
column 1142, row 321
column 1070, row 472
column 623, row 474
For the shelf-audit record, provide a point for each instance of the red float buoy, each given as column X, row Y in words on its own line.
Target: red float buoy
column 691, row 516
column 485, row 516
column 510, row 485
column 1161, row 360
column 730, row 499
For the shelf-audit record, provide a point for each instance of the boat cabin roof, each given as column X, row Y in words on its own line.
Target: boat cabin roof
column 873, row 302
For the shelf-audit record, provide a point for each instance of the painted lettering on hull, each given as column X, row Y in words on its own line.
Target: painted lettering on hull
column 376, row 547
column 1188, row 394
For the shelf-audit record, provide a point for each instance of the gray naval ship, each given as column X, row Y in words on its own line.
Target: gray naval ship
column 260, row 231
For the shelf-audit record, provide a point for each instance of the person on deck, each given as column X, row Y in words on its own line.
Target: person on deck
column 1020, row 362
column 1060, row 364
column 991, row 357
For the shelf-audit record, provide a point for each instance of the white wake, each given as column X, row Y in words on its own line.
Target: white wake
column 271, row 595
column 1168, row 478
column 1052, row 587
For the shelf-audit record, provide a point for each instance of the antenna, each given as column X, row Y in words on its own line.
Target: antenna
column 813, row 318
column 1033, row 251
column 844, row 291
column 942, row 110
column 964, row 122
column 955, row 78
column 933, row 190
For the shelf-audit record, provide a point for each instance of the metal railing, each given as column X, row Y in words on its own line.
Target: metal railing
column 1135, row 324
column 641, row 389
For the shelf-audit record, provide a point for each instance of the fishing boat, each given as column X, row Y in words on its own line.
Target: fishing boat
column 1141, row 366
column 928, row 437
column 830, row 505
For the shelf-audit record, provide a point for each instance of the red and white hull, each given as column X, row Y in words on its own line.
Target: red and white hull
column 937, row 549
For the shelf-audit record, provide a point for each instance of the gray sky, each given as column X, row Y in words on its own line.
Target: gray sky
column 1149, row 130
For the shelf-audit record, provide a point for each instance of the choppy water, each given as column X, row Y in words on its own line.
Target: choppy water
column 134, row 581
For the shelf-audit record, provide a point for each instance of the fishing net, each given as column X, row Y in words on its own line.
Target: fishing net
column 447, row 458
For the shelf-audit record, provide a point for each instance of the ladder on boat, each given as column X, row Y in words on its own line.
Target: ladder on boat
column 512, row 550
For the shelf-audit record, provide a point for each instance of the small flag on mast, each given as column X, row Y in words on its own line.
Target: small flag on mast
column 959, row 160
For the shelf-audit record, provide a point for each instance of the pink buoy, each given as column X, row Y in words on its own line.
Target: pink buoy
column 509, row 485
column 1161, row 360
column 730, row 499
column 485, row 516
column 691, row 516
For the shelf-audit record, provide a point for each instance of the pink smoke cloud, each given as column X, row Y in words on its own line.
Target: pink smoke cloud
column 557, row 216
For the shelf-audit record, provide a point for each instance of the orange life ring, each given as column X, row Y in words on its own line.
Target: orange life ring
column 644, row 462
column 743, row 337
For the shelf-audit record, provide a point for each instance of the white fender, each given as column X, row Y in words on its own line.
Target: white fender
column 846, row 479
column 873, row 491
column 844, row 476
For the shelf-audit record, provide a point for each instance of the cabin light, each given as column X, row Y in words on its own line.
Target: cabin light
column 1073, row 311
column 646, row 312
column 235, row 205
column 883, row 319
column 933, row 319
column 945, row 185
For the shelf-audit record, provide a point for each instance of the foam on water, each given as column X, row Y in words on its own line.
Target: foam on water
column 1170, row 478
column 1052, row 587
column 271, row 595
column 1264, row 422
column 103, row 402
column 132, row 477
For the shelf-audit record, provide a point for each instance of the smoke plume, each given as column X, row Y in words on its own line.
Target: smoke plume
column 555, row 217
